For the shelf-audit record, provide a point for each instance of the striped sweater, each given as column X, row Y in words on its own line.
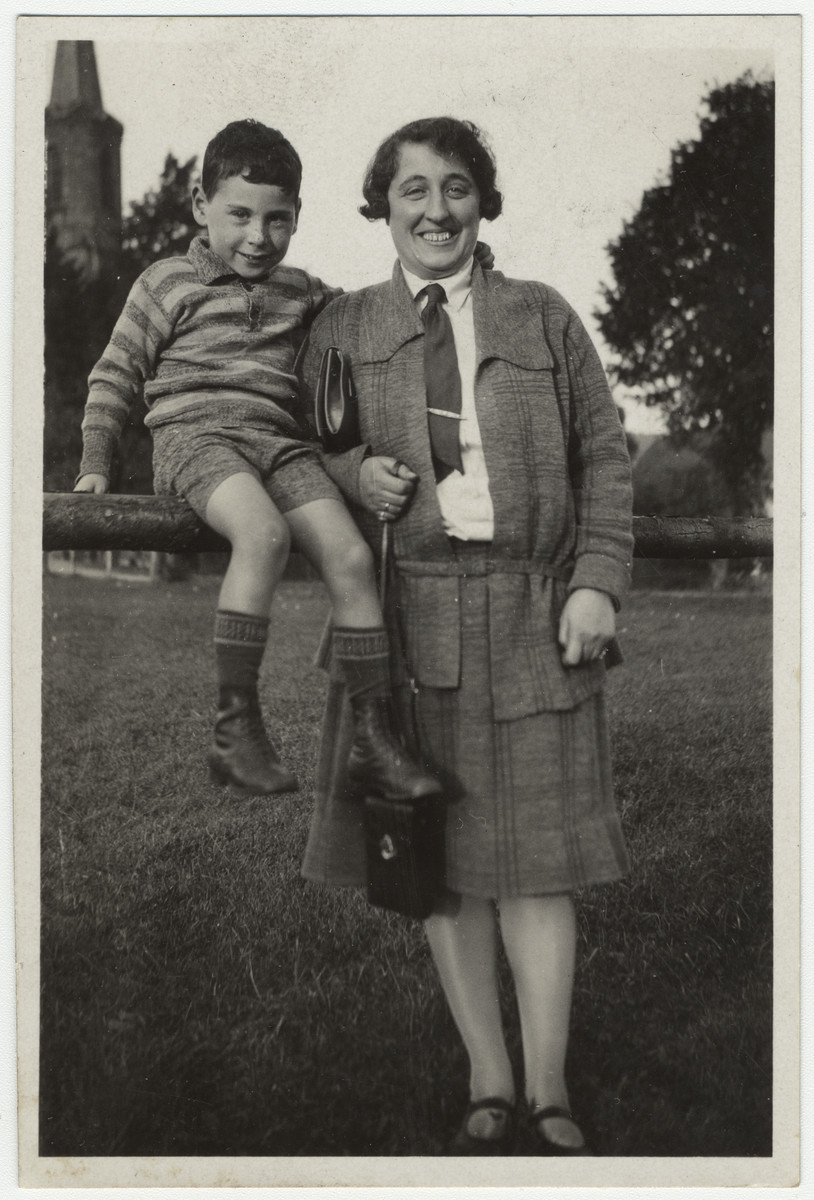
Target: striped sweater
column 204, row 347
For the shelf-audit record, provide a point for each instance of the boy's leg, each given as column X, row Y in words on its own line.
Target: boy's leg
column 241, row 511
column 324, row 531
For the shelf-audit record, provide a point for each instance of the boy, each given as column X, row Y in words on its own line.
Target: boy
column 212, row 339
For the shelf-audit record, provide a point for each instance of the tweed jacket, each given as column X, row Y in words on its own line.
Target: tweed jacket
column 559, row 477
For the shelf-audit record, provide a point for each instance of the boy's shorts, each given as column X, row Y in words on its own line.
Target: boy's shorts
column 191, row 463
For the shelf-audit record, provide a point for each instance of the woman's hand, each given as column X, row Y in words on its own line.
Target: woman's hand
column 587, row 624
column 92, row 483
column 387, row 486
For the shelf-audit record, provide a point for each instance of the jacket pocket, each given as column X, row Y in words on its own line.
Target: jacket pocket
column 528, row 675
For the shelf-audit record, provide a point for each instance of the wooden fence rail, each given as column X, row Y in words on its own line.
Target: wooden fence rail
column 79, row 521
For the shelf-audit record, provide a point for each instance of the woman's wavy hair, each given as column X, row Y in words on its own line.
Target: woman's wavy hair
column 446, row 136
column 254, row 151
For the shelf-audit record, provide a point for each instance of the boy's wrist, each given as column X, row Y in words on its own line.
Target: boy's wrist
column 97, row 453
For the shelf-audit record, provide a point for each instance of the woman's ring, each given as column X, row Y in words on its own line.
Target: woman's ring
column 397, row 465
column 386, row 506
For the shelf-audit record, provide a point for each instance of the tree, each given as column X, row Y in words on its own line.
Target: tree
column 79, row 318
column 690, row 316
column 76, row 328
column 161, row 224
column 158, row 226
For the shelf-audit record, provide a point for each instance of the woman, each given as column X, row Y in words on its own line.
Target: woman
column 511, row 549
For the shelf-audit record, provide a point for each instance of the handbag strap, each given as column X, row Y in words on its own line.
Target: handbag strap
column 383, row 564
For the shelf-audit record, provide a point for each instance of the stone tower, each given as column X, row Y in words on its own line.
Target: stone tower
column 83, row 176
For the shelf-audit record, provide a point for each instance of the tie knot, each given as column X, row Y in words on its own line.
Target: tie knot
column 435, row 294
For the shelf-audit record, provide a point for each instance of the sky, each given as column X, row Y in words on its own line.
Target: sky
column 581, row 115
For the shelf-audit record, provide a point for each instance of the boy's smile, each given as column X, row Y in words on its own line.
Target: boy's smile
column 250, row 225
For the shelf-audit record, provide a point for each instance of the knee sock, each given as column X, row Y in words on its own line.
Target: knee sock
column 362, row 655
column 240, row 640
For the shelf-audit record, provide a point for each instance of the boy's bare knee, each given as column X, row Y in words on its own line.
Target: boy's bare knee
column 356, row 560
column 276, row 539
column 267, row 539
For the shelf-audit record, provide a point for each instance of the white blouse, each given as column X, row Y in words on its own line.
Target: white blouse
column 465, row 500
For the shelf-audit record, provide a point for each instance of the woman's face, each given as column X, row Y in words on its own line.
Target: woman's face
column 434, row 212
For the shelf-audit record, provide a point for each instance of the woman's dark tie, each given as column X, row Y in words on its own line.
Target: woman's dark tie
column 443, row 384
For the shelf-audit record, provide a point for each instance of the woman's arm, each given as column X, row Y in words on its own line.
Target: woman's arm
column 599, row 473
column 378, row 483
column 599, row 468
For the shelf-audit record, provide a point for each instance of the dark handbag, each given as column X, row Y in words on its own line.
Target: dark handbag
column 612, row 656
column 404, row 839
column 404, row 851
column 336, row 410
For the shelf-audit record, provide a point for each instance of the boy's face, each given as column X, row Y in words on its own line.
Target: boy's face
column 250, row 224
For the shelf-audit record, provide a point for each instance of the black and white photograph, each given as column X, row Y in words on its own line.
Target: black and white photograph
column 405, row 604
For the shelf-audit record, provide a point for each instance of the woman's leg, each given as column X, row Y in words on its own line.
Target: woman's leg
column 464, row 947
column 539, row 934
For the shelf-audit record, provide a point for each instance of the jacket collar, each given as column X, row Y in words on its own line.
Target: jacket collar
column 390, row 321
column 209, row 266
column 506, row 325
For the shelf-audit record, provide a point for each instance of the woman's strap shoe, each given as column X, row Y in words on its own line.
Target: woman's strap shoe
column 543, row 1144
column 466, row 1143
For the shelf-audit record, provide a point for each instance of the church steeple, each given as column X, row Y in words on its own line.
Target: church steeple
column 83, row 181
column 76, row 82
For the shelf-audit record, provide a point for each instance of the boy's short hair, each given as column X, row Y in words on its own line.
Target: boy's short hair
column 254, row 151
column 448, row 137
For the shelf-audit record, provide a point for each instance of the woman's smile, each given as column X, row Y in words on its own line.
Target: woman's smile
column 434, row 212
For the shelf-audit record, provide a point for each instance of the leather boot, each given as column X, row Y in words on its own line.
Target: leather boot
column 241, row 752
column 378, row 763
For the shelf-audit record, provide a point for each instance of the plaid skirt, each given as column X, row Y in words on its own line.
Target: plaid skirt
column 530, row 806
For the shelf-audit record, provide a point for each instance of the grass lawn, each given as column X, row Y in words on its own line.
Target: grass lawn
column 199, row 997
